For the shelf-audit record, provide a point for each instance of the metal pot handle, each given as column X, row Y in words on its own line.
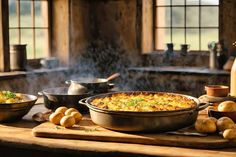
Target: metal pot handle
column 83, row 101
column 202, row 106
column 40, row 93
column 68, row 81
column 111, row 85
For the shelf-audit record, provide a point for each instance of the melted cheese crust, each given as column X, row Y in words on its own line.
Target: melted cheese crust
column 144, row 102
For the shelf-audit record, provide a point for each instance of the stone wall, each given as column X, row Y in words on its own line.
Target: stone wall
column 190, row 84
column 190, row 60
column 32, row 83
column 104, row 36
column 228, row 23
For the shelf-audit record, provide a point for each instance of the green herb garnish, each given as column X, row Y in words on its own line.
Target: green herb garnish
column 57, row 127
column 134, row 101
column 9, row 94
column 91, row 130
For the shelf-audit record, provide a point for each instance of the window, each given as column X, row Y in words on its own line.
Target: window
column 29, row 24
column 193, row 22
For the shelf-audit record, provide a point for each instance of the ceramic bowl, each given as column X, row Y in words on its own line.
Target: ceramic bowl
column 10, row 112
column 217, row 90
column 213, row 112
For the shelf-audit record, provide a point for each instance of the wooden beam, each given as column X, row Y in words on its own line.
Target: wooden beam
column 147, row 39
column 227, row 23
column 60, row 30
column 4, row 37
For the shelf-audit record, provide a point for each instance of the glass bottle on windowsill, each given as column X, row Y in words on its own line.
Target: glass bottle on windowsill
column 233, row 76
column 221, row 54
column 233, row 79
column 184, row 49
column 169, row 54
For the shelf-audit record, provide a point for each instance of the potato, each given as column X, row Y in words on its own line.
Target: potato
column 225, row 123
column 229, row 134
column 77, row 116
column 234, row 126
column 55, row 118
column 70, row 110
column 61, row 109
column 206, row 125
column 214, row 119
column 67, row 121
column 227, row 106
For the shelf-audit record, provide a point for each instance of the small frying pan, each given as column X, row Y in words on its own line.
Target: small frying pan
column 91, row 84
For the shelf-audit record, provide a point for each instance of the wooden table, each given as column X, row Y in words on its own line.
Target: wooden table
column 16, row 139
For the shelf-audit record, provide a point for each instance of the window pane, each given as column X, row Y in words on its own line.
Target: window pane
column 25, row 12
column 192, row 2
column 192, row 16
column 213, row 19
column 210, row 2
column 41, row 43
column 27, row 38
column 178, row 38
column 41, row 12
column 208, row 35
column 178, row 16
column 178, row 2
column 192, row 38
column 162, row 37
column 12, row 14
column 163, row 17
column 162, row 2
column 13, row 36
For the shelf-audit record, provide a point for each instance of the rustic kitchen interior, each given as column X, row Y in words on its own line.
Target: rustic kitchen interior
column 74, row 75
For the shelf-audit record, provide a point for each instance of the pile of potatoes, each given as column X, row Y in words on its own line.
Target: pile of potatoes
column 212, row 125
column 65, row 117
column 223, row 125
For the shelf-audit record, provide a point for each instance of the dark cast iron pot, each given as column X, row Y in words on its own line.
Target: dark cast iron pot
column 56, row 97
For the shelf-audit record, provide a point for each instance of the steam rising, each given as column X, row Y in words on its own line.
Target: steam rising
column 102, row 59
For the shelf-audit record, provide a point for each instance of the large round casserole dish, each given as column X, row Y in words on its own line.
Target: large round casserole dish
column 158, row 121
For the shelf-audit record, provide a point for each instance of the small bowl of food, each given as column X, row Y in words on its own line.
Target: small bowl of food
column 217, row 90
column 224, row 109
column 13, row 106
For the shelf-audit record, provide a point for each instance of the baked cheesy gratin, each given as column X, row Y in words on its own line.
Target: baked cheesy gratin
column 144, row 102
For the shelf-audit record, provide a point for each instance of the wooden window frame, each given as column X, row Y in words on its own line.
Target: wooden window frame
column 4, row 36
column 19, row 28
column 184, row 27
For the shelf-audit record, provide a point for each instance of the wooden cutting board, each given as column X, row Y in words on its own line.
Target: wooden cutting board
column 87, row 130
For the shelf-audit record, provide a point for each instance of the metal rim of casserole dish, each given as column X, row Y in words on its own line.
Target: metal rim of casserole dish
column 143, row 121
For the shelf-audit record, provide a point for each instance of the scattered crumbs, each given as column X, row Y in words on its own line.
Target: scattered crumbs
column 57, row 127
column 91, row 130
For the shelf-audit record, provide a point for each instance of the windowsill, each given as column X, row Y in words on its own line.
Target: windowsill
column 14, row 74
column 162, row 52
column 180, row 70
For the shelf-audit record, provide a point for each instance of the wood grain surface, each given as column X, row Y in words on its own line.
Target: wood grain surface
column 87, row 130
column 19, row 135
